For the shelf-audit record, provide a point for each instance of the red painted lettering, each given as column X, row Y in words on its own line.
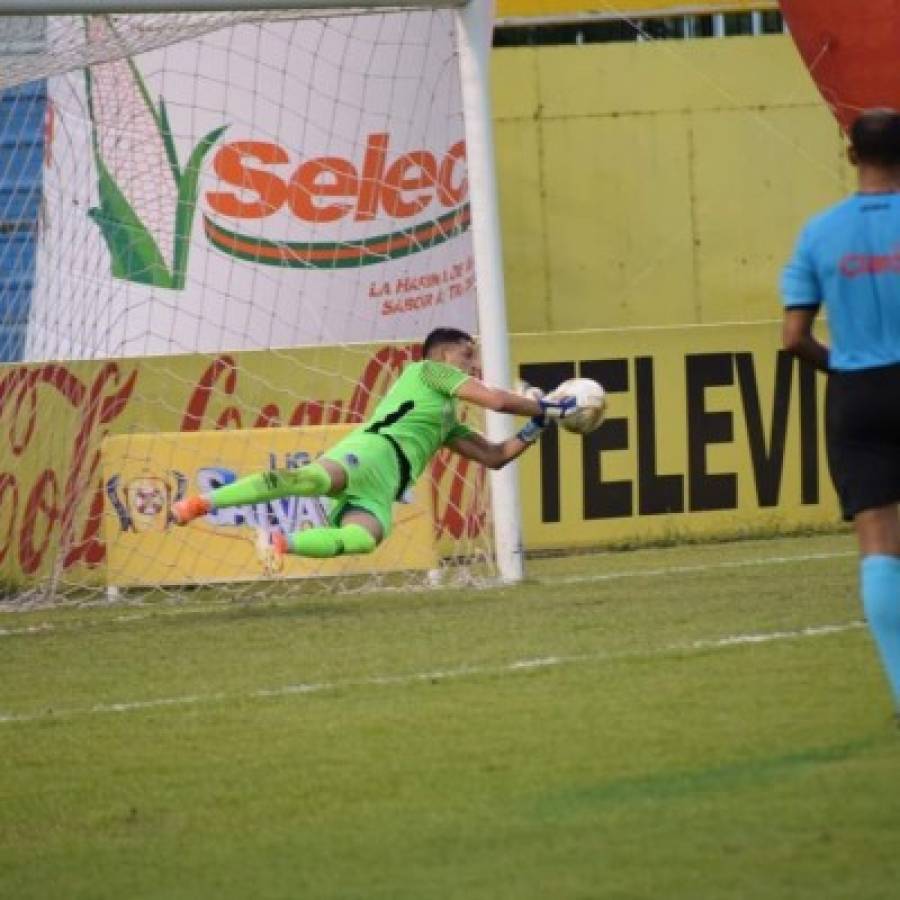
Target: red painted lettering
column 401, row 188
column 9, row 503
column 415, row 171
column 451, row 193
column 197, row 404
column 329, row 176
column 372, row 177
column 269, row 189
column 42, row 503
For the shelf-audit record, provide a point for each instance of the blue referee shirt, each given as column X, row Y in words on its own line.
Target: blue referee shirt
column 848, row 258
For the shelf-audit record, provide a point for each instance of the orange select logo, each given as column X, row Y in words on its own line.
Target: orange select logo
column 328, row 189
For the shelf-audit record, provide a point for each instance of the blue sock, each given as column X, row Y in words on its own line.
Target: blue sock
column 881, row 602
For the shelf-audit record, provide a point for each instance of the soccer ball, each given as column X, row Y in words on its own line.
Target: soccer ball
column 591, row 400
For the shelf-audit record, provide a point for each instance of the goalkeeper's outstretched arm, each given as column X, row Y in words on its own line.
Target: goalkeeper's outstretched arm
column 496, row 455
column 527, row 404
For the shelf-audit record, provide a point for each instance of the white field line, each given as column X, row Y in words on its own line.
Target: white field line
column 521, row 665
column 211, row 606
column 682, row 570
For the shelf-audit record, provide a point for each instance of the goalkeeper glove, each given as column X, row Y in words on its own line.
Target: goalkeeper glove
column 558, row 408
column 524, row 389
column 532, row 429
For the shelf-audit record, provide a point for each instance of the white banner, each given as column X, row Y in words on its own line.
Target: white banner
column 284, row 184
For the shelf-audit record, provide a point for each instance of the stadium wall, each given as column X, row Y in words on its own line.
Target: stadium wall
column 656, row 183
column 650, row 193
column 711, row 431
column 551, row 8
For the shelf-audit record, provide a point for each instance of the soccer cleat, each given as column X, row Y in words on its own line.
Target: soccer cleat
column 271, row 547
column 280, row 543
column 184, row 511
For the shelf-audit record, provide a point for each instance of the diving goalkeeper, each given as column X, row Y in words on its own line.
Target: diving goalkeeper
column 375, row 464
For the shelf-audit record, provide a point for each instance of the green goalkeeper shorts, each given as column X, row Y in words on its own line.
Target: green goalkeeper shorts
column 373, row 476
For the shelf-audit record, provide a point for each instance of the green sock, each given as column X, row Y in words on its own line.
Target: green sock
column 323, row 543
column 307, row 481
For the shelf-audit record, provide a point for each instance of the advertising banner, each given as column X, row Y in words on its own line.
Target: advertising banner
column 55, row 418
column 281, row 184
column 144, row 474
column 711, row 430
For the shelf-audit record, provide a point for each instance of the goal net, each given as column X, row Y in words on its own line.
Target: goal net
column 247, row 224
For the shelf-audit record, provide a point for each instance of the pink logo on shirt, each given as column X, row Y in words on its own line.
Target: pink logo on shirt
column 854, row 264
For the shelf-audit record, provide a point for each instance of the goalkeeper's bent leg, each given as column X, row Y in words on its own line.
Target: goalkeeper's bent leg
column 324, row 543
column 312, row 480
column 307, row 481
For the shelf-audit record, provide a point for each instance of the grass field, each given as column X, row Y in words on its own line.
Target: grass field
column 685, row 723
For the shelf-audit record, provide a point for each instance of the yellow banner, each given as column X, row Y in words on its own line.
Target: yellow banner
column 710, row 431
column 144, row 474
column 55, row 416
column 507, row 9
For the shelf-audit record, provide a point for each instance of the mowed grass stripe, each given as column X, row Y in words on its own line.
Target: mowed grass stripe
column 180, row 607
column 108, row 656
column 720, row 734
column 405, row 680
column 747, row 773
column 705, row 567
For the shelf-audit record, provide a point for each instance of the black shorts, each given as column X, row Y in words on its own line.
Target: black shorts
column 862, row 432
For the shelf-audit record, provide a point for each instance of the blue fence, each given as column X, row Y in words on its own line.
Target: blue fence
column 22, row 111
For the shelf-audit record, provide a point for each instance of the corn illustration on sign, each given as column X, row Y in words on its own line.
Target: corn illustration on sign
column 313, row 172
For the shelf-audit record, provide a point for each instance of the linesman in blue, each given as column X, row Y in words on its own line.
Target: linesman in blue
column 848, row 258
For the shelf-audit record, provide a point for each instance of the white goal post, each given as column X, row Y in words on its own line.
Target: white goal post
column 40, row 505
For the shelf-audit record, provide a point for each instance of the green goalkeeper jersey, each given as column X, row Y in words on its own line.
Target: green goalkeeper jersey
column 419, row 412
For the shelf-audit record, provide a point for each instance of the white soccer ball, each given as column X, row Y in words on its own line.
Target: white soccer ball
column 591, row 400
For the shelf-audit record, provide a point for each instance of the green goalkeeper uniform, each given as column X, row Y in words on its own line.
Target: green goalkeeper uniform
column 386, row 455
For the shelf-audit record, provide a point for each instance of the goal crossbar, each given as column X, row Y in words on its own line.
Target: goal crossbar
column 73, row 7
